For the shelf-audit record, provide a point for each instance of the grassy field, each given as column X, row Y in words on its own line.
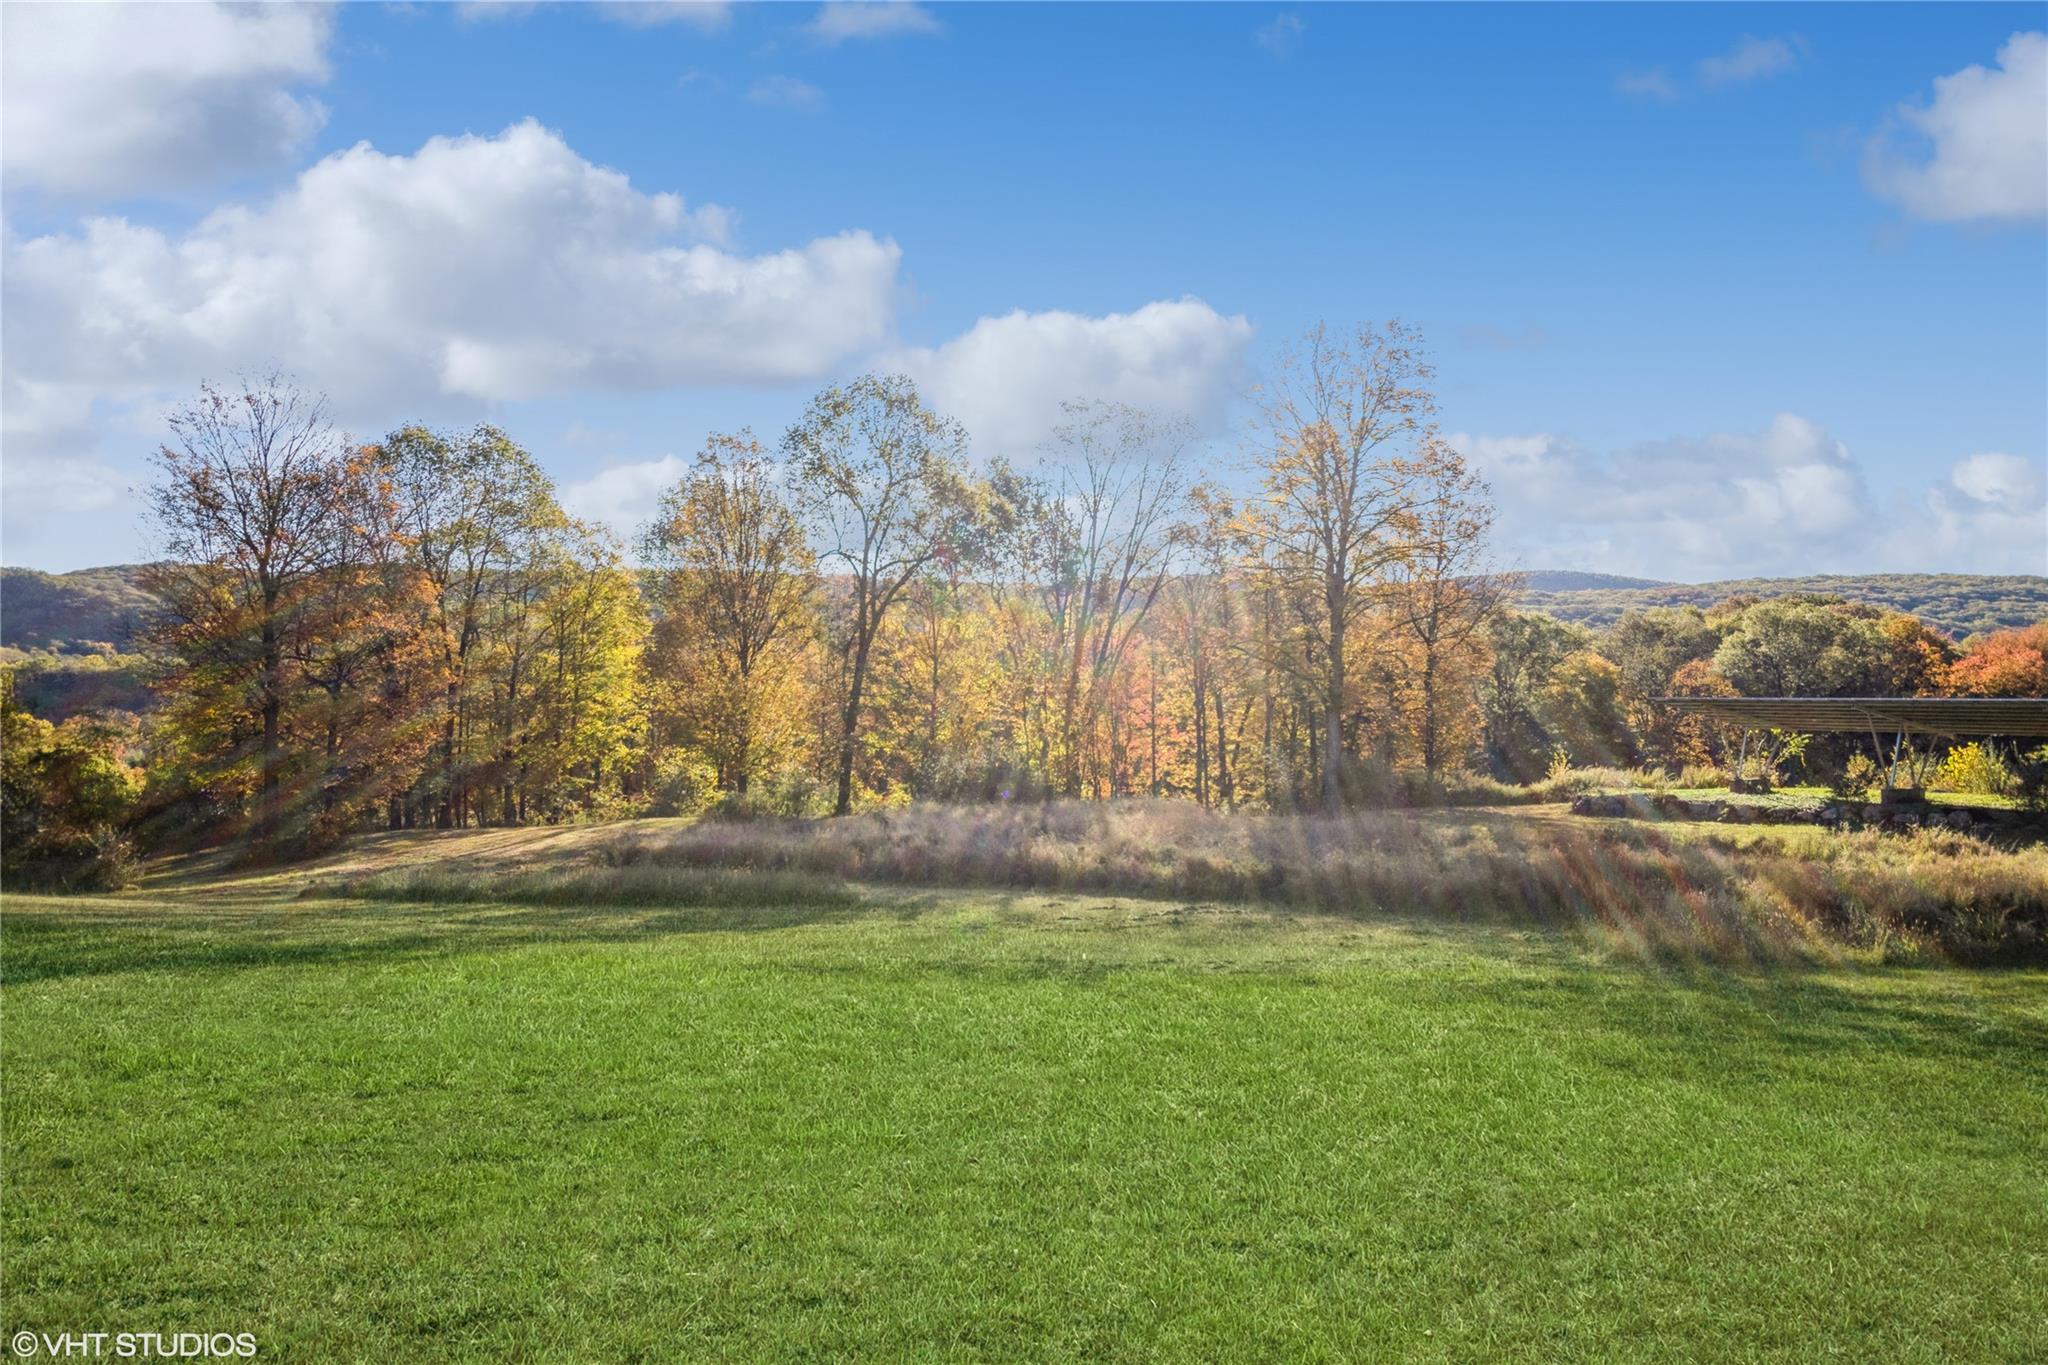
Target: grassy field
column 765, row 1116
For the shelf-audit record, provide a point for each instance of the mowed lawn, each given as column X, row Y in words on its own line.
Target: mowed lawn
column 948, row 1125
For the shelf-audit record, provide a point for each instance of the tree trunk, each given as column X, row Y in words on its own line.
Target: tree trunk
column 1429, row 713
column 444, row 817
column 849, row 724
column 268, row 815
column 1333, row 711
column 1224, row 791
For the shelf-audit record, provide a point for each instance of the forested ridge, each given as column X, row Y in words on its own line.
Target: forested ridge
column 1959, row 604
column 413, row 631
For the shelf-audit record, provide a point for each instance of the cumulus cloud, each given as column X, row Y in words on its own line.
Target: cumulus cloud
column 623, row 496
column 786, row 92
column 120, row 101
column 1978, row 150
column 480, row 268
column 1787, row 499
column 1006, row 377
column 1750, row 59
column 844, row 20
column 1992, row 513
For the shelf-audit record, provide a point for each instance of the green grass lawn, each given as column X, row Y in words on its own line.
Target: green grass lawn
column 900, row 1124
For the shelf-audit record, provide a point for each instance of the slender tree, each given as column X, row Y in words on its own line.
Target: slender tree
column 1122, row 487
column 881, row 489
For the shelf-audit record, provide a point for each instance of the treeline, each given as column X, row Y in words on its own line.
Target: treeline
column 414, row 633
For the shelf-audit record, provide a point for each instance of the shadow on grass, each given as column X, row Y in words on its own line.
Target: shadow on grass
column 158, row 936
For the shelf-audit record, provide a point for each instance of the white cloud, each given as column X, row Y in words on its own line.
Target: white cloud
column 1751, row 59
column 2003, row 481
column 1282, row 35
column 1006, row 377
column 44, row 499
column 709, row 16
column 1992, row 513
column 1983, row 150
column 786, row 92
column 1655, row 83
column 118, row 101
column 1788, row 499
column 480, row 268
column 623, row 496
column 843, row 20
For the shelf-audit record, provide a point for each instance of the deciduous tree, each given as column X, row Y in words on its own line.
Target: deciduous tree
column 1336, row 426
column 881, row 487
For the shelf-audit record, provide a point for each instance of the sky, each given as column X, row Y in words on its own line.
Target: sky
column 1712, row 290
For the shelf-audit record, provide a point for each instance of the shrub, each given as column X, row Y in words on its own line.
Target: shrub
column 1976, row 769
column 65, row 799
column 1694, row 776
column 1856, row 779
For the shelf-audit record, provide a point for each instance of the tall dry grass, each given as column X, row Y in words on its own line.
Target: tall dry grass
column 1750, row 894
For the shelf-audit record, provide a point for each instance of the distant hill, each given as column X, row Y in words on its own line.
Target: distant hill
column 1565, row 580
column 1961, row 604
column 72, row 613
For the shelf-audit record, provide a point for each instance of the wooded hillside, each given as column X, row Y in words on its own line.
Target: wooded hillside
column 1961, row 604
column 72, row 613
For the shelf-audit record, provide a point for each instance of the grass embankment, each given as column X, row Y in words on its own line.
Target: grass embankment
column 1686, row 889
column 767, row 1119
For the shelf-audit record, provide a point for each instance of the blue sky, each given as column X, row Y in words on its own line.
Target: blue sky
column 1712, row 289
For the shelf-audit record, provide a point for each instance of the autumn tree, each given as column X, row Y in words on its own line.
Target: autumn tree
column 1336, row 426
column 734, row 582
column 1822, row 647
column 1206, row 616
column 1582, row 709
column 1121, row 483
column 2005, row 663
column 1650, row 647
column 880, row 487
column 472, row 508
column 1525, row 652
column 1439, row 595
column 584, row 718
column 65, row 795
column 260, row 503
